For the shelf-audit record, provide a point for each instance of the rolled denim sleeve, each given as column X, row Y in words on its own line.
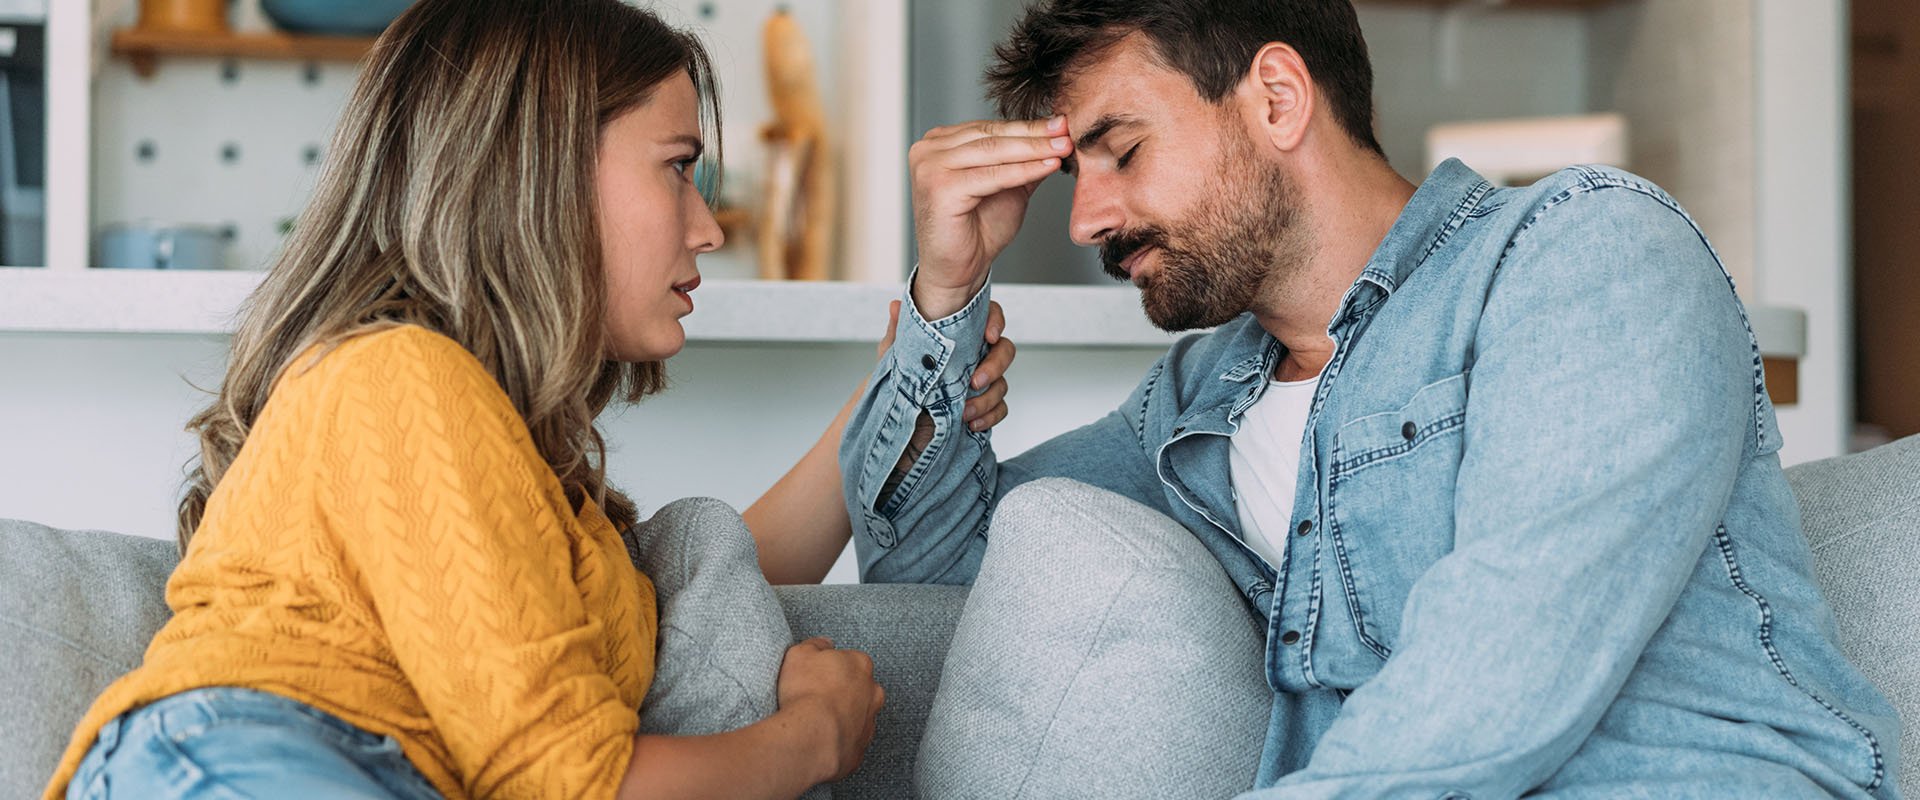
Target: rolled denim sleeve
column 1610, row 408
column 932, row 528
column 926, row 370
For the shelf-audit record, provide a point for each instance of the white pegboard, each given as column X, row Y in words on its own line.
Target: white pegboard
column 214, row 142
column 227, row 142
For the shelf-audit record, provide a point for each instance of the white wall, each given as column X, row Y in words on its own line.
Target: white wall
column 91, row 425
column 1464, row 63
column 1804, row 252
column 1683, row 74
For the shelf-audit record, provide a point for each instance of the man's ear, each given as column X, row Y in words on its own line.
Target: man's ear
column 1282, row 94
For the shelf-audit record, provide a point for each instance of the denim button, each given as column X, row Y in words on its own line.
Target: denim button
column 1290, row 637
column 928, row 362
column 1306, row 527
column 1408, row 430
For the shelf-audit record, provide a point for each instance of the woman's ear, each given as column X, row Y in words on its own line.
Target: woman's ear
column 1283, row 95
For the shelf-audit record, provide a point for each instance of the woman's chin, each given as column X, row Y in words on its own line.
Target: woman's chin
column 658, row 346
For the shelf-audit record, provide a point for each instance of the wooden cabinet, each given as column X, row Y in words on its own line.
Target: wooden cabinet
column 1886, row 213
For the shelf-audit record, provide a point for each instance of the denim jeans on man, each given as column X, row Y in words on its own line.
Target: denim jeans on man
column 1543, row 540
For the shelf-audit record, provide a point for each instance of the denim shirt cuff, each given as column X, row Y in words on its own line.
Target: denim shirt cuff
column 934, row 360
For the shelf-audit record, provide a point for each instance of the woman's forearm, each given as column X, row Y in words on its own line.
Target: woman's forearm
column 800, row 525
column 777, row 758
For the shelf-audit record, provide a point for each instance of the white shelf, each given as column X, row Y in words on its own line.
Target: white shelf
column 190, row 302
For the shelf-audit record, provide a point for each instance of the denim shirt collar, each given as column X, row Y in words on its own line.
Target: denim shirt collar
column 1438, row 207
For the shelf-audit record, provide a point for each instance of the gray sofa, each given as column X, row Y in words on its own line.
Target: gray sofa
column 77, row 608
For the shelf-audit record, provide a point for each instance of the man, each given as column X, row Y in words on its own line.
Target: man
column 1495, row 468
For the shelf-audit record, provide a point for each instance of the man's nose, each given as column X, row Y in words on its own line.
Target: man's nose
column 1096, row 211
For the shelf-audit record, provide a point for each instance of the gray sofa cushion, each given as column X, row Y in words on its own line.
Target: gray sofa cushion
column 76, row 611
column 1862, row 517
column 906, row 629
column 78, row 607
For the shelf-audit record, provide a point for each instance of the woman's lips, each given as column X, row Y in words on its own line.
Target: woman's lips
column 685, row 290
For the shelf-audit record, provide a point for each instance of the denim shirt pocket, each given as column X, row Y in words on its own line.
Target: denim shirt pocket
column 1390, row 499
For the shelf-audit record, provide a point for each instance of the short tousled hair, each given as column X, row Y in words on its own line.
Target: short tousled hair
column 1212, row 42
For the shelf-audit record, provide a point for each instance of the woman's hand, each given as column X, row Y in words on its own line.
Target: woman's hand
column 834, row 690
column 988, row 408
column 819, row 734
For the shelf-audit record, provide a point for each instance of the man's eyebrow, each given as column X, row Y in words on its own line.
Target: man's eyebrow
column 1100, row 127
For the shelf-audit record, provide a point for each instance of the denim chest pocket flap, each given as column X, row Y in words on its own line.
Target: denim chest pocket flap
column 1390, row 502
column 1436, row 410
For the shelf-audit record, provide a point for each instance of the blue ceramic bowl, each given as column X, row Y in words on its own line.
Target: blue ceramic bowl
column 334, row 17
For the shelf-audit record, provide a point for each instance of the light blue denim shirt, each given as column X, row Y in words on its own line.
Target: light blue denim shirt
column 1540, row 520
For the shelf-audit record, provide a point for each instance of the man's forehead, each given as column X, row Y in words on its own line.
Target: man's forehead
column 1127, row 81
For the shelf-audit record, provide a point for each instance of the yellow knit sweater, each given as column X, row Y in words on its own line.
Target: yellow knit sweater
column 390, row 547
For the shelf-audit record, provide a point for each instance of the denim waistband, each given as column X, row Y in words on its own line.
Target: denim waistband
column 201, row 708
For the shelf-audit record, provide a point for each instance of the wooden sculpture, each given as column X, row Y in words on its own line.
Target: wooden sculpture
column 795, row 230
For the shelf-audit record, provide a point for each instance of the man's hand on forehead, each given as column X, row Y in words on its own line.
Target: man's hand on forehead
column 1006, row 141
column 971, row 183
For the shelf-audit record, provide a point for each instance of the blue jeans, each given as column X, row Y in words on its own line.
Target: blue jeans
column 228, row 744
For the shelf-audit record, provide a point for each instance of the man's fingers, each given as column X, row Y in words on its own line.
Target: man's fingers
column 996, row 322
column 955, row 135
column 989, row 150
column 983, row 182
column 819, row 643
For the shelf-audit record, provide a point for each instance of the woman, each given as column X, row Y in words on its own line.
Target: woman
column 404, row 573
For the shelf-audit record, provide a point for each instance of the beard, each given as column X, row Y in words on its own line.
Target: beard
column 1239, row 237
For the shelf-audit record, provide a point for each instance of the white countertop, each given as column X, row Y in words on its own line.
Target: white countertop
column 190, row 302
column 203, row 302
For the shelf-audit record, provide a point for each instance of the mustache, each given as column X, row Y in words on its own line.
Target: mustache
column 1122, row 245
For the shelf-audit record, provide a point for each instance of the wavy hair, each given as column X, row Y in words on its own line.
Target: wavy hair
column 458, row 195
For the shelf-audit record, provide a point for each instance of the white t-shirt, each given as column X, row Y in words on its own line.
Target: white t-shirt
column 1265, row 464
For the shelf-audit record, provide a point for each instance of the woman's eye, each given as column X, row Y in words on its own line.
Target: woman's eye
column 685, row 166
column 1122, row 163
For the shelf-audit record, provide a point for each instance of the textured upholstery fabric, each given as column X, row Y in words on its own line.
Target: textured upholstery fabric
column 76, row 611
column 1103, row 653
column 1862, row 518
column 906, row 628
column 77, row 608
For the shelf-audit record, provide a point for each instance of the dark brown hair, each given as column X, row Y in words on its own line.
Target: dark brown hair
column 459, row 195
column 1212, row 42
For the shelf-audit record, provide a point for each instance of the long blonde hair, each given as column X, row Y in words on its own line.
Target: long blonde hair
column 458, row 195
